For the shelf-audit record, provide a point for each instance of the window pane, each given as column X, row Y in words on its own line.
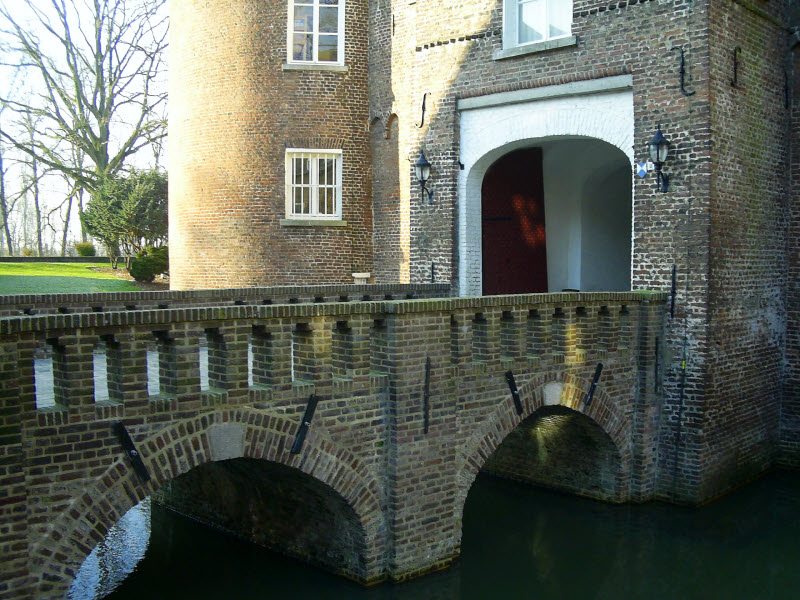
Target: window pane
column 329, row 2
column 301, row 171
column 304, row 19
column 330, row 168
column 302, row 201
column 531, row 21
column 560, row 15
column 303, row 47
column 327, row 202
column 328, row 19
column 328, row 48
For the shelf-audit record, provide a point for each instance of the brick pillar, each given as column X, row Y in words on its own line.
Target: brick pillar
column 227, row 361
column 127, row 371
column 512, row 332
column 312, row 350
column 647, row 399
column 425, row 530
column 360, row 329
column 281, row 343
column 538, row 335
column 179, row 363
column 460, row 342
column 73, row 372
column 14, row 580
column 558, row 334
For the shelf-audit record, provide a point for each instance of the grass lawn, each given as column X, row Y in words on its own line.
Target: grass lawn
column 63, row 278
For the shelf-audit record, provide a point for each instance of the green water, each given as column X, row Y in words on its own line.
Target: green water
column 523, row 543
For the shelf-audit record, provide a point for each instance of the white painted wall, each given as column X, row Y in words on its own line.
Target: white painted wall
column 491, row 127
column 606, row 226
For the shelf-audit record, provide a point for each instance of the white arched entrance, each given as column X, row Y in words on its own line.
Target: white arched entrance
column 575, row 124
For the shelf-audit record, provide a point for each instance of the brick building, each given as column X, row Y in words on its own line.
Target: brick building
column 296, row 126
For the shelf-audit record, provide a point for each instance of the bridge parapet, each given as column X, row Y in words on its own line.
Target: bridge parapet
column 415, row 440
column 38, row 304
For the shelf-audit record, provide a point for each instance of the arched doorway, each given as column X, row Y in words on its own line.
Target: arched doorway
column 584, row 188
column 491, row 126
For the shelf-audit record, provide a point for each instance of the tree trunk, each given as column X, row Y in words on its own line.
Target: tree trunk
column 37, row 207
column 4, row 207
column 66, row 226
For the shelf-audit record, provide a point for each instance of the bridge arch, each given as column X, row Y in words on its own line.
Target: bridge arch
column 549, row 391
column 185, row 445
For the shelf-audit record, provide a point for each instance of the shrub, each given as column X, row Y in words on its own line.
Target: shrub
column 145, row 268
column 28, row 252
column 85, row 249
column 149, row 263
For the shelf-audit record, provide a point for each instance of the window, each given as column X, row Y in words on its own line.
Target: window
column 313, row 184
column 316, row 31
column 531, row 21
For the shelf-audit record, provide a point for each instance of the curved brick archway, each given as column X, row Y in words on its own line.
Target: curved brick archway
column 184, row 446
column 566, row 391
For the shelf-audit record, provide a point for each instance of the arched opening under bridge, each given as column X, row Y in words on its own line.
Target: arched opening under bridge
column 258, row 501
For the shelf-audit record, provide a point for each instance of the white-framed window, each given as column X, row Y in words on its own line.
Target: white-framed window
column 316, row 32
column 532, row 21
column 313, row 184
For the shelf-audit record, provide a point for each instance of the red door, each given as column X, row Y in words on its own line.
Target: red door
column 514, row 250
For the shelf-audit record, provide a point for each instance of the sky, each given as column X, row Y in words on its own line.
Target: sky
column 53, row 187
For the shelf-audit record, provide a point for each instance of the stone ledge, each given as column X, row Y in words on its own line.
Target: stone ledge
column 145, row 318
column 315, row 67
column 313, row 223
column 535, row 48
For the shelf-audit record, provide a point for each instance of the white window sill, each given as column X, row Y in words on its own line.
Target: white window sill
column 563, row 42
column 293, row 222
column 315, row 67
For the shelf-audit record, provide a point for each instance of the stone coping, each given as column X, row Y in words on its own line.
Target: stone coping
column 219, row 294
column 10, row 326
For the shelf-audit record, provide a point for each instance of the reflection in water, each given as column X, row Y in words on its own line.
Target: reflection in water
column 116, row 556
column 520, row 542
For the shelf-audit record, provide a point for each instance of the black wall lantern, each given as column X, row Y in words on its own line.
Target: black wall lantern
column 423, row 170
column 659, row 151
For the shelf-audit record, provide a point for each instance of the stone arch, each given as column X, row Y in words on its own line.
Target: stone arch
column 545, row 390
column 489, row 131
column 388, row 212
column 392, row 125
column 184, row 445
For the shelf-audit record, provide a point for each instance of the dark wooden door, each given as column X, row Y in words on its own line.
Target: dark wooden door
column 512, row 204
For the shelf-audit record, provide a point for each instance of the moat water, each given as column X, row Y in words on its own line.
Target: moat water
column 518, row 542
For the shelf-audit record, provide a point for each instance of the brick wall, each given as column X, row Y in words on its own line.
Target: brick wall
column 233, row 112
column 747, row 274
column 790, row 415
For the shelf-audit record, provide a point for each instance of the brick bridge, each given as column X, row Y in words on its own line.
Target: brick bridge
column 412, row 403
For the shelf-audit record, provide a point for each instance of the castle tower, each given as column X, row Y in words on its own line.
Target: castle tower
column 269, row 147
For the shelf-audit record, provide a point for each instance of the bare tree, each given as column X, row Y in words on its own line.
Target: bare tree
column 98, row 67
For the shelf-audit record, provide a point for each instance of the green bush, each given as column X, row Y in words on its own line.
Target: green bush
column 149, row 263
column 28, row 251
column 145, row 268
column 85, row 249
